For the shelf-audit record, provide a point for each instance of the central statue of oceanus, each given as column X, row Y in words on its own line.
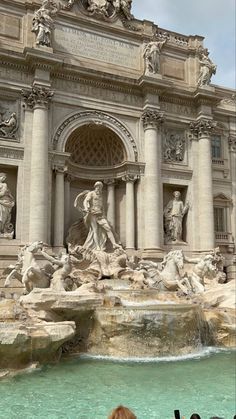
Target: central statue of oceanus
column 90, row 203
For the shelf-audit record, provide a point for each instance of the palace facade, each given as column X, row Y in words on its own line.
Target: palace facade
column 90, row 93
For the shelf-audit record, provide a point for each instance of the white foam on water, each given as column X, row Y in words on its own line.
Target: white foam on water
column 147, row 303
column 204, row 352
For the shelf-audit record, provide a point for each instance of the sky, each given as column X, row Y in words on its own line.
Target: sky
column 213, row 19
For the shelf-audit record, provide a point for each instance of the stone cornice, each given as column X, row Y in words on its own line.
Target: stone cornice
column 106, row 173
column 151, row 118
column 37, row 96
column 202, row 127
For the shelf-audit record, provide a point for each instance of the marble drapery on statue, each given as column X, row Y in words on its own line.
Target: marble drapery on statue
column 152, row 53
column 8, row 127
column 7, row 202
column 207, row 68
column 90, row 203
column 43, row 22
column 173, row 218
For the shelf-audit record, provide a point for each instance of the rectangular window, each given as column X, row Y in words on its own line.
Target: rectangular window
column 219, row 219
column 216, row 147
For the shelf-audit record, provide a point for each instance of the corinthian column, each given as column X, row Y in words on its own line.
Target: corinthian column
column 153, row 200
column 38, row 99
column 59, row 207
column 111, row 205
column 130, row 210
column 202, row 129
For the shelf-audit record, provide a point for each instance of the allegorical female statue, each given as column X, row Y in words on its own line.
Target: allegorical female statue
column 173, row 218
column 43, row 22
column 7, row 202
column 207, row 68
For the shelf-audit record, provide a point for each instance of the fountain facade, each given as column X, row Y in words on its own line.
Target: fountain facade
column 117, row 204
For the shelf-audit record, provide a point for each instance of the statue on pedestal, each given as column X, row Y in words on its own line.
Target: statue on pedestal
column 152, row 54
column 7, row 202
column 173, row 218
column 90, row 203
column 43, row 22
column 207, row 68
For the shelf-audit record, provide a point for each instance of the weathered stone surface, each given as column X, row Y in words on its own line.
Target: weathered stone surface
column 222, row 326
column 21, row 344
column 163, row 329
column 67, row 303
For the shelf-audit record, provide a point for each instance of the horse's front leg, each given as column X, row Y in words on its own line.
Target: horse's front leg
column 9, row 278
column 27, row 278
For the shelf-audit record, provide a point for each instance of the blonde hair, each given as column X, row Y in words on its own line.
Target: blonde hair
column 122, row 412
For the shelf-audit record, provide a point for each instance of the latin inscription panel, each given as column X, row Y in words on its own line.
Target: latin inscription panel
column 98, row 47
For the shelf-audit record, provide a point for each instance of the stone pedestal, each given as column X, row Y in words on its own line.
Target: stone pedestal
column 153, row 209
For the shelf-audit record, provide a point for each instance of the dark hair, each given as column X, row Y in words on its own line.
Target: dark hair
column 195, row 416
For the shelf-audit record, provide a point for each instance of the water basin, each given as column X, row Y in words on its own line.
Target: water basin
column 88, row 388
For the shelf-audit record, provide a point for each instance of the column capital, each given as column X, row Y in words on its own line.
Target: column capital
column 232, row 143
column 37, row 96
column 59, row 168
column 151, row 118
column 109, row 182
column 202, row 127
column 130, row 177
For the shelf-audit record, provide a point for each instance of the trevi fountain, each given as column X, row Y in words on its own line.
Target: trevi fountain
column 110, row 260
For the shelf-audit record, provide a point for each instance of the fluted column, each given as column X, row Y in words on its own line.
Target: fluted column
column 232, row 150
column 202, row 129
column 130, row 210
column 38, row 99
column 111, row 204
column 59, row 207
column 153, row 200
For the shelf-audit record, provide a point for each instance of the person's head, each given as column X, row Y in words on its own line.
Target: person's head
column 195, row 416
column 98, row 187
column 122, row 412
column 177, row 195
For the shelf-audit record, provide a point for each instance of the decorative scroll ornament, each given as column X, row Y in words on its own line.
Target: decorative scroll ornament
column 130, row 177
column 152, row 118
column 207, row 67
column 173, row 147
column 9, row 126
column 202, row 127
column 38, row 95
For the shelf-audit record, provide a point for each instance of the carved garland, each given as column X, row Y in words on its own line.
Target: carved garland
column 101, row 117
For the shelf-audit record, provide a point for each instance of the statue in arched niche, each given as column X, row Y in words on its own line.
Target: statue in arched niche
column 7, row 202
column 99, row 229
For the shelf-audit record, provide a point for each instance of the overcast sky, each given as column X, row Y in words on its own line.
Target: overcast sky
column 213, row 19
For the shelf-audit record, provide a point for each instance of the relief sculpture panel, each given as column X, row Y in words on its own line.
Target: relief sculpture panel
column 174, row 147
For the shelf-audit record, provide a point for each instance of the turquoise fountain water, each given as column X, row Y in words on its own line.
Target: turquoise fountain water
column 89, row 388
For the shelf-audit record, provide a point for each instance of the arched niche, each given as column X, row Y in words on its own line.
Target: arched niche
column 98, row 119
